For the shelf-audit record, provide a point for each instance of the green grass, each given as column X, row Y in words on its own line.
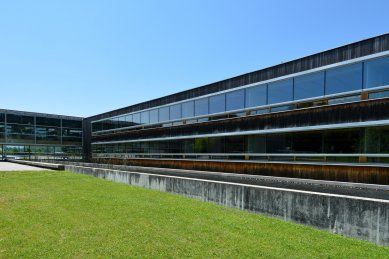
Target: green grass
column 60, row 214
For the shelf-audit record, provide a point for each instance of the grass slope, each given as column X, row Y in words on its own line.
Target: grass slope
column 55, row 214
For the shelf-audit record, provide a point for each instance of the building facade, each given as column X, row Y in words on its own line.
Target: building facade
column 40, row 136
column 328, row 107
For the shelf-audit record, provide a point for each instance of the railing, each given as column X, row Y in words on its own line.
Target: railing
column 360, row 158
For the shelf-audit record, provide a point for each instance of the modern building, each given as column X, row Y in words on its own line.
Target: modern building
column 324, row 108
column 40, row 136
column 323, row 116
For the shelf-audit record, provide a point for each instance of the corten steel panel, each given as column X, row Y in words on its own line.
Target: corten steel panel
column 343, row 113
column 343, row 173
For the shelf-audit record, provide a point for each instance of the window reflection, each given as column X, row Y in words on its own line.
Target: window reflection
column 201, row 107
column 217, row 103
column 235, row 100
column 281, row 91
column 309, row 86
column 175, row 112
column 188, row 109
column 376, row 72
column 256, row 96
column 164, row 114
column 344, row 79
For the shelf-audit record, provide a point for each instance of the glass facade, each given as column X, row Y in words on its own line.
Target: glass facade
column 376, row 72
column 188, row 109
column 309, row 86
column 23, row 134
column 217, row 103
column 344, row 79
column 280, row 92
column 201, row 107
column 339, row 141
column 338, row 80
column 235, row 100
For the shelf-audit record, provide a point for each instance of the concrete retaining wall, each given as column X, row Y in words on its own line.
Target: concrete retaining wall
column 361, row 218
column 38, row 164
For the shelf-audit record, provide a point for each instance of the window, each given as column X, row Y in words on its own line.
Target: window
column 144, row 117
column 309, row 86
column 256, row 96
column 20, row 119
column 376, row 72
column 376, row 95
column 154, row 116
column 344, row 79
column 201, row 107
column 164, row 114
column 44, row 121
column 281, row 91
column 136, row 118
column 217, row 103
column 129, row 122
column 235, row 100
column 72, row 124
column 175, row 112
column 188, row 109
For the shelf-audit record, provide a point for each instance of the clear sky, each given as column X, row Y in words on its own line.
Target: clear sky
column 86, row 57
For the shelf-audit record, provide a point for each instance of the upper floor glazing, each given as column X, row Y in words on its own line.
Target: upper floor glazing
column 347, row 78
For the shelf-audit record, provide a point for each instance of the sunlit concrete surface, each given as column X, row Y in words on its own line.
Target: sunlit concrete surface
column 6, row 166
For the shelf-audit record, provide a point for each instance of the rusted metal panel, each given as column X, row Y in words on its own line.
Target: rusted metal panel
column 343, row 173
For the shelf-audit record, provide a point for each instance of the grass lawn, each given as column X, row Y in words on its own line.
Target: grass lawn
column 60, row 214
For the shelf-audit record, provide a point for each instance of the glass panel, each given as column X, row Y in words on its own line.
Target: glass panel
column 201, row 107
column 342, row 141
column 348, row 99
column 48, row 135
column 309, row 86
column 2, row 132
column 188, row 109
column 256, row 96
column 129, row 122
column 344, row 79
column 279, row 143
column 144, row 117
column 122, row 122
column 377, row 95
column 48, row 121
column 201, row 145
column 77, row 124
column 2, row 117
column 175, row 112
column 235, row 144
column 216, row 145
column 282, row 108
column 281, row 91
column 164, row 114
column 20, row 119
column 308, row 142
column 256, row 144
column 377, row 140
column 217, row 103
column 136, row 118
column 154, row 116
column 376, row 72
column 235, row 100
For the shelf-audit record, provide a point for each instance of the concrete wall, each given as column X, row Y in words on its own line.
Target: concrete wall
column 361, row 218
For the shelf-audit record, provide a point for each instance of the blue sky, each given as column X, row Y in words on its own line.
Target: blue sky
column 86, row 57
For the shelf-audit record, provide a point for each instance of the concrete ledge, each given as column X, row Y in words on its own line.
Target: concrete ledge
column 58, row 167
column 357, row 217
